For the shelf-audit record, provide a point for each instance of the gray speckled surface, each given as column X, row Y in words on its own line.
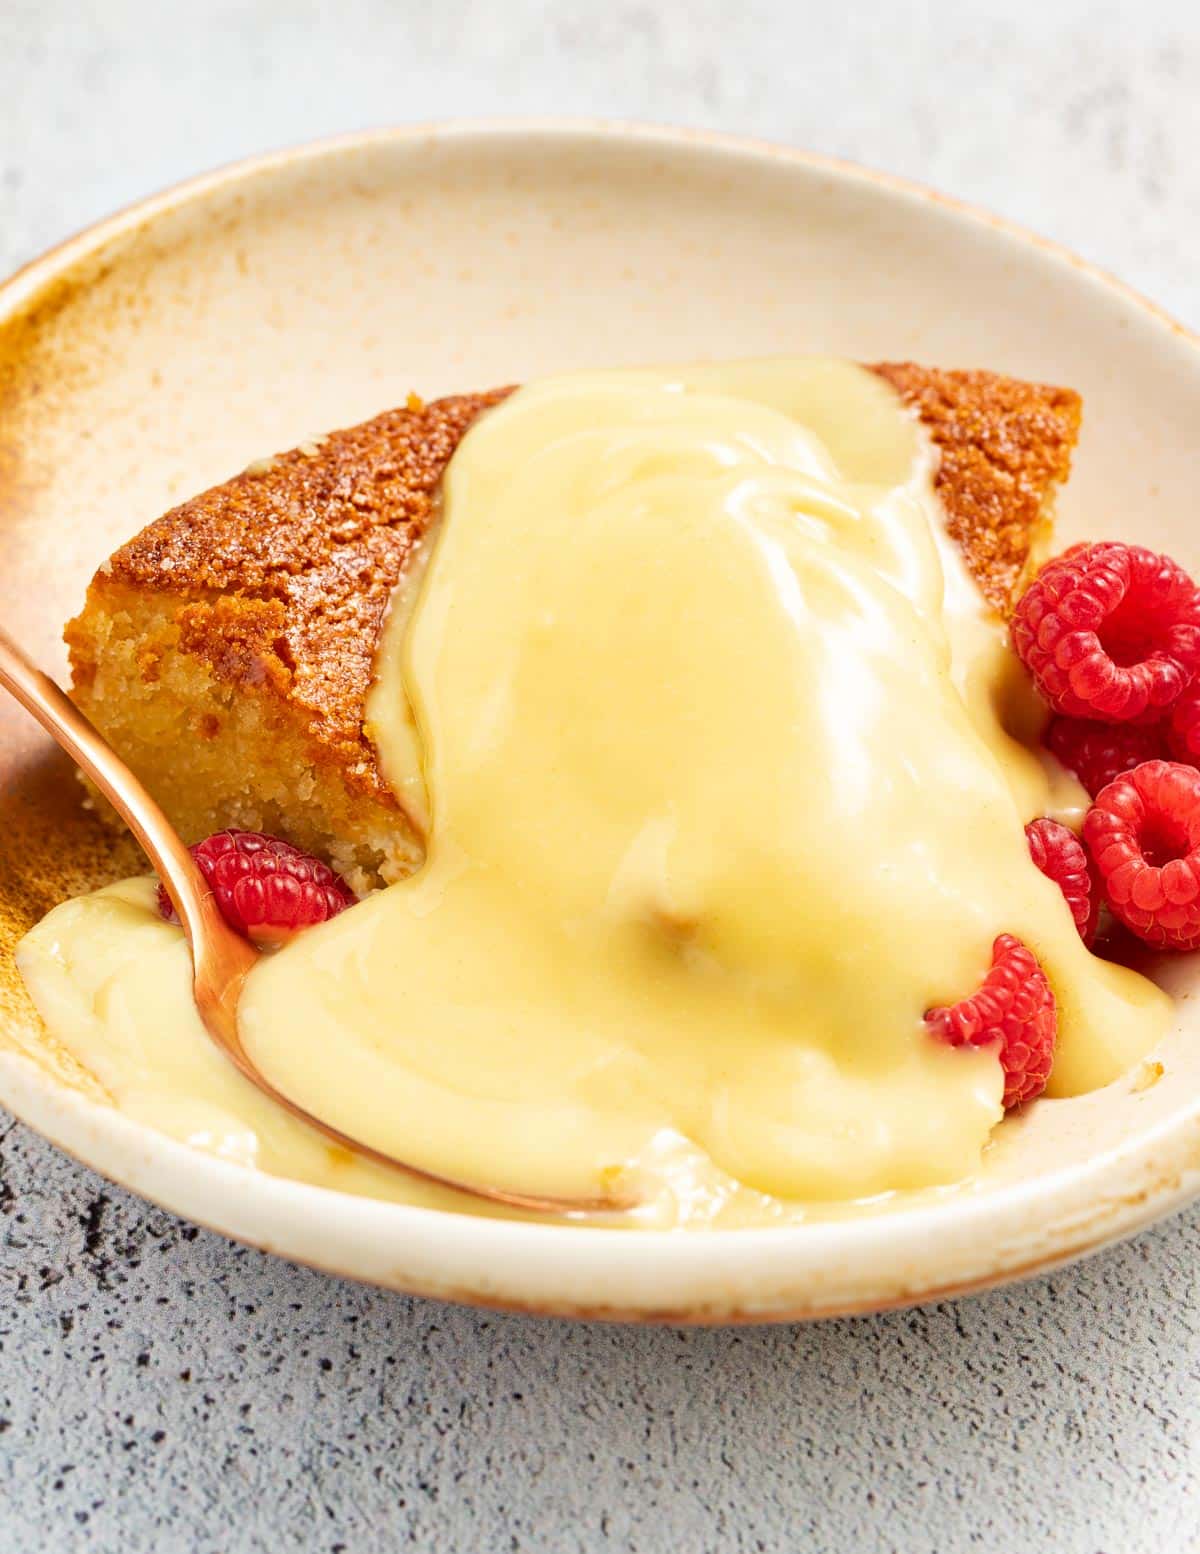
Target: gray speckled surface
column 161, row 1389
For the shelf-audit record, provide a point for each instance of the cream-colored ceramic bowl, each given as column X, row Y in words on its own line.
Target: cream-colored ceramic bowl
column 169, row 346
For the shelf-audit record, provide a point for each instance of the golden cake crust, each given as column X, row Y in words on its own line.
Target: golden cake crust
column 282, row 574
column 1004, row 445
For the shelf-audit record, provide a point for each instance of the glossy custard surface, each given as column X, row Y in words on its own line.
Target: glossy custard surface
column 706, row 726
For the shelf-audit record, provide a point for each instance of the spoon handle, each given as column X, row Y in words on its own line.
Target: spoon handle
column 64, row 722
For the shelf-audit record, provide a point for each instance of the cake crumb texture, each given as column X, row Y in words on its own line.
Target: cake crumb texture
column 288, row 567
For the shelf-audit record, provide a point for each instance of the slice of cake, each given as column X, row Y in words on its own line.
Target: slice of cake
column 227, row 650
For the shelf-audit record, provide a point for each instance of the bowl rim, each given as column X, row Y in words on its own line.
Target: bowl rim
column 784, row 1273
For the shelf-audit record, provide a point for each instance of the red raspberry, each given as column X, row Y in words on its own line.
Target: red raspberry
column 1098, row 752
column 1143, row 833
column 1109, row 631
column 1013, row 1010
column 1059, row 854
column 266, row 888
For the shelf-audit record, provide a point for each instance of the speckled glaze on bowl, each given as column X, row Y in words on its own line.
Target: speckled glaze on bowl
column 169, row 346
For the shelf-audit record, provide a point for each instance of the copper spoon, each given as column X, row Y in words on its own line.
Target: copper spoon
column 221, row 958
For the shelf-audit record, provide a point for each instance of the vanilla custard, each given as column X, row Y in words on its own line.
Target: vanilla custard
column 708, row 730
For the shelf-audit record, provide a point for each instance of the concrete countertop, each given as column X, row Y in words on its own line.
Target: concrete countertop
column 162, row 1389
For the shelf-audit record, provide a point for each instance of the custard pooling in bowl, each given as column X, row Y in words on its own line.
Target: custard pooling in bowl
column 718, row 802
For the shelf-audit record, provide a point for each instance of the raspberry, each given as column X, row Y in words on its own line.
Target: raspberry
column 1109, row 631
column 1098, row 752
column 1059, row 854
column 266, row 888
column 1013, row 1010
column 1143, row 833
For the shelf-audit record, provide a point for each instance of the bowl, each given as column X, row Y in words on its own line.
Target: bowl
column 172, row 344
